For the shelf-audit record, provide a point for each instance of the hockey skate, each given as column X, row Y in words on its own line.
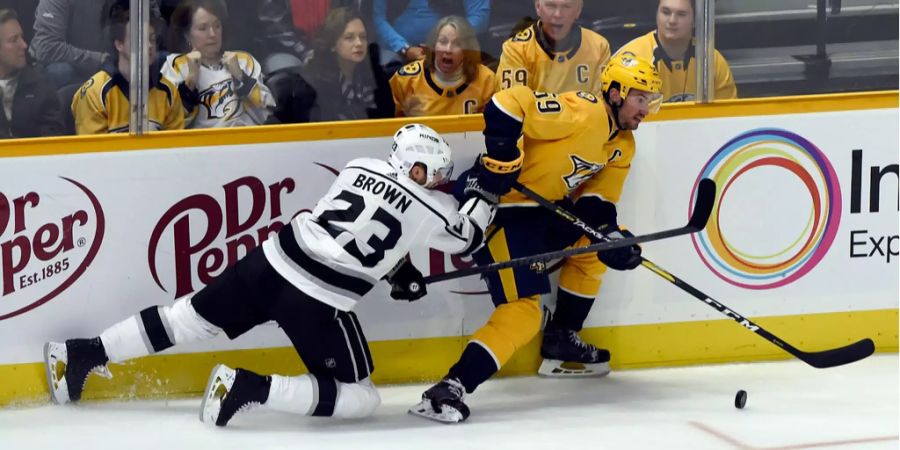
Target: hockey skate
column 69, row 364
column 443, row 402
column 566, row 355
column 230, row 391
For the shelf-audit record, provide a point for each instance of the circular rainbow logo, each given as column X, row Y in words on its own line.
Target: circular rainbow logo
column 774, row 149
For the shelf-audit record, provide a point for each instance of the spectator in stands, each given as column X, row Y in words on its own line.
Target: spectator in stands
column 101, row 104
column 218, row 88
column 671, row 48
column 30, row 107
column 450, row 80
column 554, row 54
column 289, row 26
column 403, row 25
column 67, row 44
column 344, row 79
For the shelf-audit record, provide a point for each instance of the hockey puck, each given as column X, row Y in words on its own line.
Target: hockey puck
column 740, row 399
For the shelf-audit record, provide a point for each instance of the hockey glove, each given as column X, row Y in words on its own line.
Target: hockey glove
column 407, row 283
column 624, row 258
column 473, row 188
column 494, row 182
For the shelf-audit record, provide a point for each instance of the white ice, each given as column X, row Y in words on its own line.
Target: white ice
column 790, row 406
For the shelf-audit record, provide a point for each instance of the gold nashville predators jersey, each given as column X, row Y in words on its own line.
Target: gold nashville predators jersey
column 417, row 92
column 567, row 139
column 679, row 77
column 101, row 105
column 528, row 59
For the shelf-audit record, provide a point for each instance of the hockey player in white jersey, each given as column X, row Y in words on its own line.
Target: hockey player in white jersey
column 307, row 278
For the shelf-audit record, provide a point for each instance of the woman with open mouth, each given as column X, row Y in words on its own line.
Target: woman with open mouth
column 450, row 80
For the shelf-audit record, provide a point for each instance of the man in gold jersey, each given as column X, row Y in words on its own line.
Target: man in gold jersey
column 554, row 54
column 553, row 144
column 671, row 49
column 101, row 104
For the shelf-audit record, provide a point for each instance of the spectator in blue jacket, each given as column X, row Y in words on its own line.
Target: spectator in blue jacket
column 403, row 25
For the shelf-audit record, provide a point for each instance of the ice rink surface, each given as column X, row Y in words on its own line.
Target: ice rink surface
column 790, row 406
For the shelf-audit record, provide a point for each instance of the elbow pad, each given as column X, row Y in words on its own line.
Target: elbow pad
column 501, row 133
column 480, row 213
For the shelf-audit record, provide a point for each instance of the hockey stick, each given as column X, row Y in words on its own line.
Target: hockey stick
column 702, row 208
column 820, row 360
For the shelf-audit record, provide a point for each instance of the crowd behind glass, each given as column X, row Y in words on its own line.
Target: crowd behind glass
column 65, row 64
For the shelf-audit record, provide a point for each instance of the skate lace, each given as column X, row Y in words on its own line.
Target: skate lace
column 576, row 339
column 455, row 387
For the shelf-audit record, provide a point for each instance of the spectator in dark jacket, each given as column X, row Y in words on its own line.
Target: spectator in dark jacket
column 29, row 107
column 68, row 42
column 343, row 80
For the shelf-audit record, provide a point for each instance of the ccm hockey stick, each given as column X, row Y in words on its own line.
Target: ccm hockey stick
column 702, row 208
column 820, row 360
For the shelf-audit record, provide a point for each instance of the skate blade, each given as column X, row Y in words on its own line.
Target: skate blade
column 448, row 414
column 220, row 381
column 55, row 353
column 555, row 368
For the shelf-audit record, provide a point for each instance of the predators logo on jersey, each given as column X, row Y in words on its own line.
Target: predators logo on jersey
column 528, row 59
column 569, row 144
column 417, row 92
column 219, row 101
column 582, row 170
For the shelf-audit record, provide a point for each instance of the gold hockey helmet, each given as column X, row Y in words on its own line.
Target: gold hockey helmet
column 632, row 72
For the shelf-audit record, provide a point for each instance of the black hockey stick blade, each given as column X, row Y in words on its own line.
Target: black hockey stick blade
column 703, row 208
column 838, row 356
column 703, row 205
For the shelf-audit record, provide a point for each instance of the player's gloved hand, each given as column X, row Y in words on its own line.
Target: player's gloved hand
column 624, row 258
column 497, row 183
column 472, row 187
column 407, row 283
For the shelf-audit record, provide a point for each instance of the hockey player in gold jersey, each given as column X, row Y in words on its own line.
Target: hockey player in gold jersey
column 554, row 54
column 450, row 80
column 101, row 104
column 671, row 49
column 576, row 149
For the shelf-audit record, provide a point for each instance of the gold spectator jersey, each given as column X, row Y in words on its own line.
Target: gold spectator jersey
column 417, row 92
column 101, row 105
column 528, row 59
column 569, row 142
column 679, row 77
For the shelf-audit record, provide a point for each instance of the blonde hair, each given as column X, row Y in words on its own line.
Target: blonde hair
column 467, row 40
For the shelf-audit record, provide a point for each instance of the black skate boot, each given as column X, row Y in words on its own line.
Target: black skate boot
column 443, row 402
column 230, row 391
column 80, row 357
column 566, row 355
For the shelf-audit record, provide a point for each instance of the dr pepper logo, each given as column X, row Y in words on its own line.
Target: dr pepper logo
column 48, row 238
column 200, row 235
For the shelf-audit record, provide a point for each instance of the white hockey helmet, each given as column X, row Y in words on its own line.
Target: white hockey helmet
column 416, row 143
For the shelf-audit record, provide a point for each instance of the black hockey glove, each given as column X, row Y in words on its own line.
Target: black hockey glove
column 473, row 188
column 496, row 183
column 407, row 283
column 624, row 258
